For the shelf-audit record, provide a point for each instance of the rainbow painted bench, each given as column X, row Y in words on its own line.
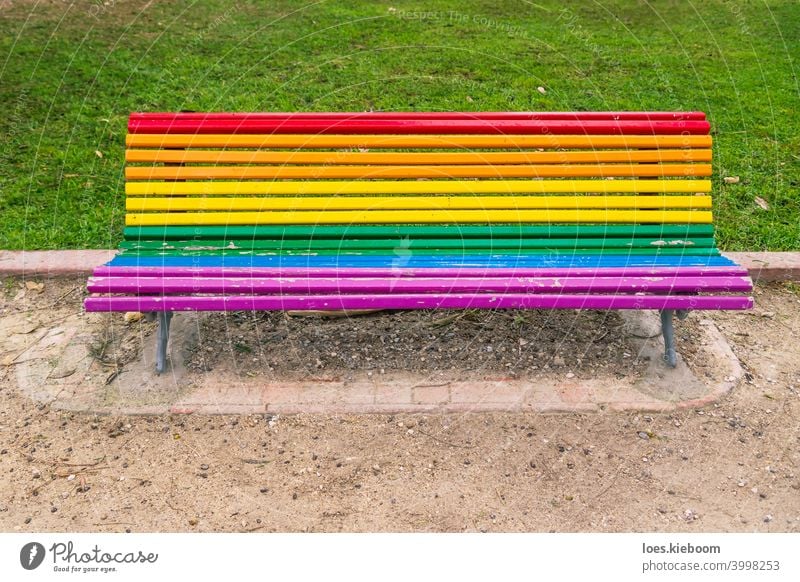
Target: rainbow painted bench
column 345, row 211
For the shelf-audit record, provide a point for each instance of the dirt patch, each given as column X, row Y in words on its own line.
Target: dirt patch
column 472, row 342
column 732, row 466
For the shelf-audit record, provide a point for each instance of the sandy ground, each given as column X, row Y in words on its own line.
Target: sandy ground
column 732, row 466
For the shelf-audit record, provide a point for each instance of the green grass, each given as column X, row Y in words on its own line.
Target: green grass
column 70, row 76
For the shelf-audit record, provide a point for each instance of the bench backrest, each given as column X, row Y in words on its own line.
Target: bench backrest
column 432, row 184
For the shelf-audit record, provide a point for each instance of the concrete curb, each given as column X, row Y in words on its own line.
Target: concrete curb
column 52, row 263
column 762, row 266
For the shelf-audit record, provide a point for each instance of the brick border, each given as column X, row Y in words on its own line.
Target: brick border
column 762, row 266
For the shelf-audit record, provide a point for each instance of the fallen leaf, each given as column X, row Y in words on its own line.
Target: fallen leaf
column 132, row 317
column 731, row 179
column 470, row 99
column 762, row 203
column 541, row 90
column 34, row 286
column 98, row 153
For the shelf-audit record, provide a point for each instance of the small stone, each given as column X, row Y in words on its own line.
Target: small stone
column 192, row 522
column 558, row 361
column 71, row 478
column 643, row 435
column 53, row 509
column 541, row 90
column 204, row 467
column 294, row 495
column 570, row 375
column 28, row 520
column 768, row 518
column 264, row 490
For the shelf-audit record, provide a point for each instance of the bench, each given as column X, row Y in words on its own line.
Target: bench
column 351, row 211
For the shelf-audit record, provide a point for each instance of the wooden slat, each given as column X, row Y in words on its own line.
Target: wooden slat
column 419, row 126
column 374, row 203
column 384, row 172
column 417, row 301
column 418, row 187
column 421, row 217
column 466, row 115
column 395, row 244
column 671, row 271
column 398, row 158
column 411, row 232
column 319, row 285
column 305, row 141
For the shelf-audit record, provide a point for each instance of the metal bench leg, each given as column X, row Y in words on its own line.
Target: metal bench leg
column 164, row 318
column 670, row 356
column 668, row 331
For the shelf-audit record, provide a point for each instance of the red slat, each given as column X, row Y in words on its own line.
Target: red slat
column 414, row 126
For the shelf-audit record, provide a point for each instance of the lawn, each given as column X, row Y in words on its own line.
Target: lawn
column 71, row 73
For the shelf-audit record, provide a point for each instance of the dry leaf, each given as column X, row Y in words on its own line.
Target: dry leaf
column 762, row 203
column 98, row 153
column 470, row 99
column 33, row 286
column 132, row 317
column 541, row 90
column 731, row 179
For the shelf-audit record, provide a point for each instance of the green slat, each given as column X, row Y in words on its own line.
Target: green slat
column 430, row 231
column 426, row 243
column 409, row 252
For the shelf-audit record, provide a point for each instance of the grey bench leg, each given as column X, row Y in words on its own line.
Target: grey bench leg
column 668, row 331
column 164, row 318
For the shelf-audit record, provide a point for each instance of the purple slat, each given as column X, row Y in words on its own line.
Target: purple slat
column 375, row 285
column 105, row 271
column 415, row 301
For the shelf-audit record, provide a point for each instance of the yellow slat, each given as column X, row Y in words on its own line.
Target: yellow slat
column 482, row 171
column 418, row 203
column 398, row 158
column 422, row 216
column 144, row 140
column 418, row 187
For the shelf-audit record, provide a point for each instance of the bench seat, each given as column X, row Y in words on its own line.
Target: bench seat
column 419, row 211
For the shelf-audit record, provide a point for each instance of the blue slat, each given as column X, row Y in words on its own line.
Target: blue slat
column 422, row 261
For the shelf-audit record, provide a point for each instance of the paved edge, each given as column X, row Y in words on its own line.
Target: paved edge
column 52, row 263
column 762, row 266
